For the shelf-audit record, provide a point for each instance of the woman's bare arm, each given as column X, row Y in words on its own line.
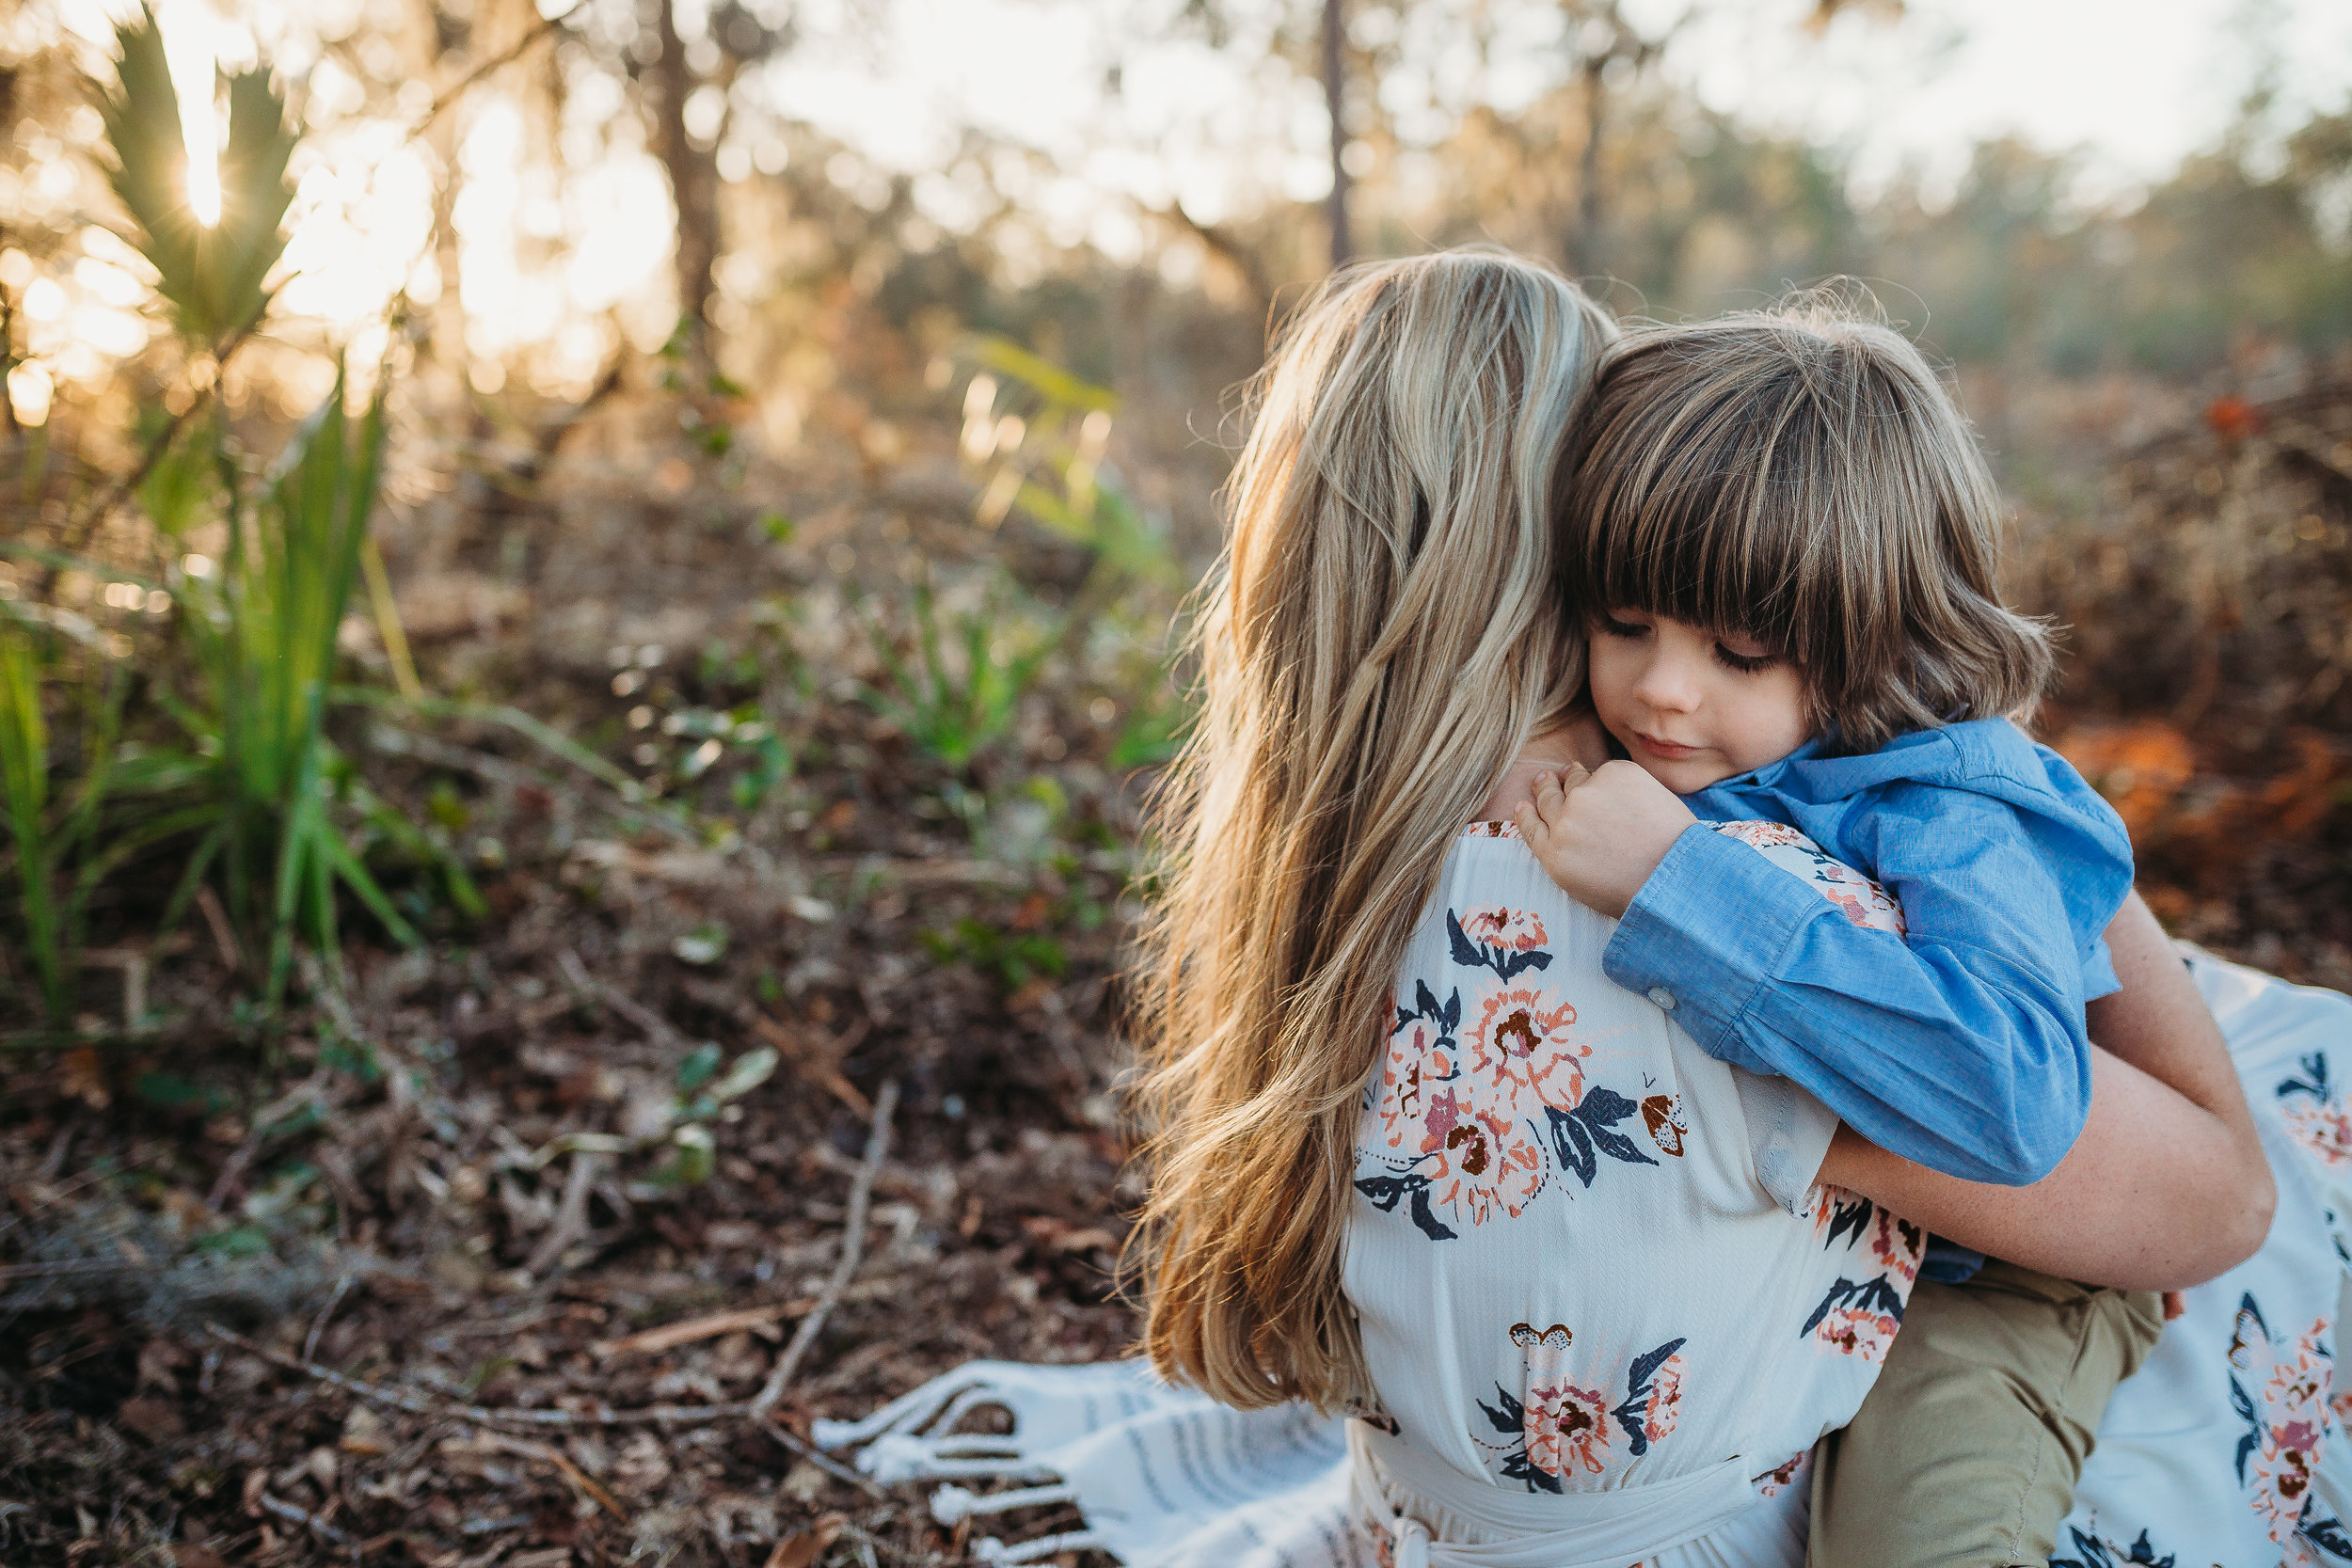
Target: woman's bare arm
column 2166, row 1188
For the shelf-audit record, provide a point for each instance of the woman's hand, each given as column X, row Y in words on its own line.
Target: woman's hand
column 1601, row 834
column 2167, row 1185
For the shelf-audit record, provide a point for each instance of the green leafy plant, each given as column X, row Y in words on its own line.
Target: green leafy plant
column 212, row 274
column 962, row 689
column 1011, row 959
column 1041, row 435
column 45, row 840
column 278, row 817
column 64, row 842
column 263, row 632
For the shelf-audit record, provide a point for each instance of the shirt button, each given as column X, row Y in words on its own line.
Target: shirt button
column 1663, row 997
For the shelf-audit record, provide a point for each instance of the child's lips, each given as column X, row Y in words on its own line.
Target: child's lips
column 1664, row 748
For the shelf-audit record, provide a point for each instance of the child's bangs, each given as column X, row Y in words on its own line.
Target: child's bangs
column 1709, row 518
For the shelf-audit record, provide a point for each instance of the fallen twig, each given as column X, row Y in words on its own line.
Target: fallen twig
column 852, row 1249
column 419, row 1404
column 12, row 1272
column 265, row 1120
column 318, row 1325
column 650, row 1024
column 820, row 1064
column 571, row 1217
column 653, row 1341
column 303, row 1517
column 579, row 1480
column 823, row 1461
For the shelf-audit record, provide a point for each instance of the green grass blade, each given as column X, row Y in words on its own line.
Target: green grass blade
column 337, row 857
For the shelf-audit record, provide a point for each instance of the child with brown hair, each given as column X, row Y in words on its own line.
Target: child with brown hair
column 1783, row 540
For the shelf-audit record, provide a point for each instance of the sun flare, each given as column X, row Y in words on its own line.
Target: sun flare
column 188, row 48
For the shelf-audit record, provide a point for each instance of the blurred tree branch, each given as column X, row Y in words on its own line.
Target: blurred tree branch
column 693, row 176
column 1335, row 103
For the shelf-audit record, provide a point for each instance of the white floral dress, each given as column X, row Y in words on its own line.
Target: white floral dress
column 1587, row 1257
column 1607, row 1311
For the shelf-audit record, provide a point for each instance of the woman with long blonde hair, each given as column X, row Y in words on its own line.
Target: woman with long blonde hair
column 1380, row 639
column 1580, row 1287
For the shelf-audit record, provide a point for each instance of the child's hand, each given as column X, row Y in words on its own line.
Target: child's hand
column 1601, row 834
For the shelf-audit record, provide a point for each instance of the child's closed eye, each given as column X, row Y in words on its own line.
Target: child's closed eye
column 1747, row 663
column 1735, row 651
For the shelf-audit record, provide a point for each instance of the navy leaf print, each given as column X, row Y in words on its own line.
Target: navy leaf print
column 1512, row 1418
column 1386, row 1191
column 1466, row 952
column 1633, row 1414
column 2327, row 1532
column 1572, row 1144
column 1504, row 962
column 1577, row 1134
column 2314, row 1083
column 1602, row 1110
column 1425, row 1005
column 1431, row 1226
column 2098, row 1554
column 1848, row 1216
column 2250, row 1324
column 1645, row 1366
column 1874, row 1294
column 1516, row 1466
column 2252, row 1440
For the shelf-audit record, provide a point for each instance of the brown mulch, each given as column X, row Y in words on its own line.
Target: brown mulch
column 346, row 1293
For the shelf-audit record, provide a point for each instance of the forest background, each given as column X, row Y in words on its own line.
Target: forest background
column 581, row 657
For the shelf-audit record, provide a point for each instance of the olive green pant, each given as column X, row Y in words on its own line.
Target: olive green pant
column 1966, row 1452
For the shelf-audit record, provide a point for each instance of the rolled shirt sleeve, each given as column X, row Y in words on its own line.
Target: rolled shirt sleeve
column 1961, row 1049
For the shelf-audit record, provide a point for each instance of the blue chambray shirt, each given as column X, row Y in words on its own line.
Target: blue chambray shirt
column 1961, row 1048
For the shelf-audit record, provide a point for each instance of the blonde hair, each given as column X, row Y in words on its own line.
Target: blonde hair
column 1381, row 637
column 1800, row 475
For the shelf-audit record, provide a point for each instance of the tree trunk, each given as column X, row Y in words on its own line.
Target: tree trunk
column 693, row 181
column 1584, row 244
column 1334, row 97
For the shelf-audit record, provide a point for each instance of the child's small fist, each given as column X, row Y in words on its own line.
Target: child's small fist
column 1600, row 835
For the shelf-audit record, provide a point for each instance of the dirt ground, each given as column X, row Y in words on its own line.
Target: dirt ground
column 433, row 1278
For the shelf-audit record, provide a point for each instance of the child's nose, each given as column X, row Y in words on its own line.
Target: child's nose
column 1669, row 684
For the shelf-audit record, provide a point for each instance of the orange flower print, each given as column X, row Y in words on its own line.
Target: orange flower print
column 1566, row 1426
column 2323, row 1127
column 1422, row 1060
column 1898, row 1245
column 1857, row 1331
column 1512, row 931
column 2293, row 1426
column 1773, row 1482
column 1665, row 1396
column 1518, row 1036
column 1860, row 899
column 1859, row 1316
column 1488, row 1163
column 1762, row 834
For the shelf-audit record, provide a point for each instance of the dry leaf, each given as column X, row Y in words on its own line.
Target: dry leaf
column 155, row 1420
column 802, row 1547
column 364, row 1433
column 83, row 1075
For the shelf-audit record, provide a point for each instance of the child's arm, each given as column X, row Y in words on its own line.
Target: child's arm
column 2167, row 1185
column 1961, row 1048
